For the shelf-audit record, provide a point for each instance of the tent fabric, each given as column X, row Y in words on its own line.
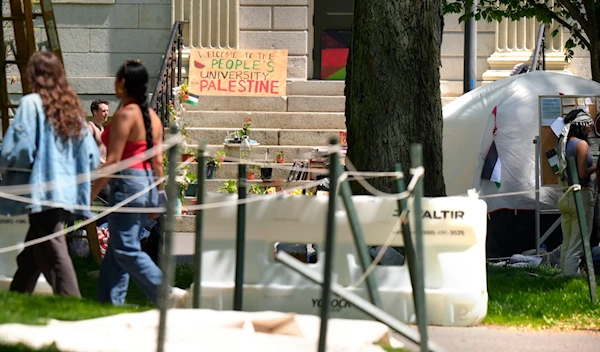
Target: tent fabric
column 469, row 126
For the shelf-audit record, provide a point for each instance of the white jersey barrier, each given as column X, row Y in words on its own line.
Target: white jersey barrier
column 12, row 231
column 454, row 256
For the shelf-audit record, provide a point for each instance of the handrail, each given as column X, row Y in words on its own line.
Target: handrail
column 169, row 75
column 540, row 49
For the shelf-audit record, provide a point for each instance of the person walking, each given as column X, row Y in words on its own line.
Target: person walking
column 48, row 147
column 573, row 142
column 132, row 130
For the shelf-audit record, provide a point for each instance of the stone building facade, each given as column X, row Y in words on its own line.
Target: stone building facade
column 98, row 35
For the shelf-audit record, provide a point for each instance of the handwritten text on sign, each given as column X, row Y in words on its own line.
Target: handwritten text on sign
column 237, row 72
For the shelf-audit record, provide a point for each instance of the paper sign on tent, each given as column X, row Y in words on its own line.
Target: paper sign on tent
column 557, row 126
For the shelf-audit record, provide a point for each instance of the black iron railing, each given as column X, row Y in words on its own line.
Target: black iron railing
column 538, row 62
column 169, row 76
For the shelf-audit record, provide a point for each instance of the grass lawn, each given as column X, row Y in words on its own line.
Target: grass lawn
column 525, row 298
column 533, row 298
column 36, row 309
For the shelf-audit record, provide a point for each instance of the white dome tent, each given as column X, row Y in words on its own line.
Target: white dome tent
column 468, row 133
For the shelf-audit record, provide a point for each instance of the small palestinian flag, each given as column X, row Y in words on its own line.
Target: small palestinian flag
column 492, row 166
column 192, row 99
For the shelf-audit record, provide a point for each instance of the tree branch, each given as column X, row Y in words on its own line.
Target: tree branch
column 576, row 14
column 562, row 22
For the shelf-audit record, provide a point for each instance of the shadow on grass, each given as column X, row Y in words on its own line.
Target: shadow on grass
column 89, row 285
column 533, row 297
column 37, row 309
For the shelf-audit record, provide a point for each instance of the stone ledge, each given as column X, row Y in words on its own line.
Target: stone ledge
column 316, row 103
column 236, row 103
column 285, row 120
column 291, row 151
column 316, row 87
column 297, row 67
column 92, row 2
column 216, row 135
column 307, row 137
column 275, row 2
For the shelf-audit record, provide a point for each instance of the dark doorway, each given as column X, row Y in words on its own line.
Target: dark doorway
column 330, row 15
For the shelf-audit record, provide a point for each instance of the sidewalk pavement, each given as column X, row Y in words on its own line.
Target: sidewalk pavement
column 480, row 339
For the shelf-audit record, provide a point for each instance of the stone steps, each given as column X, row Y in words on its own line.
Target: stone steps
column 266, row 119
column 316, row 103
column 298, row 103
column 292, row 152
column 320, row 88
column 229, row 170
column 292, row 103
column 213, row 185
column 266, row 136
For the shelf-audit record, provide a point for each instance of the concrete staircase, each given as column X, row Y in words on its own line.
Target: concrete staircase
column 305, row 119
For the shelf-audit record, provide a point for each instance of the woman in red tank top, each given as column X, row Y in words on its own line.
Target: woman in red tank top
column 133, row 129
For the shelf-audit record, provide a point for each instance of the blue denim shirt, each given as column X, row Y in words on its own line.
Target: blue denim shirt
column 30, row 143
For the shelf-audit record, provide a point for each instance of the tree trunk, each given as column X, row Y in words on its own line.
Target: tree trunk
column 393, row 89
column 595, row 60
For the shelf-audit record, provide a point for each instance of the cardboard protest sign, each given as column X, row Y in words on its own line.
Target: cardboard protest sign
column 237, row 72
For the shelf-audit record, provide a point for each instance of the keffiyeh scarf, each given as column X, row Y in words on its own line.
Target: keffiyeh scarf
column 582, row 119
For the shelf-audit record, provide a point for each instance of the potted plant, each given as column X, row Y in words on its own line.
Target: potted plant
column 256, row 189
column 187, row 155
column 193, row 184
column 211, row 167
column 235, row 137
column 280, row 157
column 229, row 186
column 266, row 172
column 250, row 174
column 252, row 171
column 246, row 129
column 221, row 155
column 182, row 186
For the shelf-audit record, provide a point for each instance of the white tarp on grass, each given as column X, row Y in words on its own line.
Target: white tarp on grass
column 203, row 330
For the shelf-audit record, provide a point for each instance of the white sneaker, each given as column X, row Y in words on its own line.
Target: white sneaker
column 178, row 298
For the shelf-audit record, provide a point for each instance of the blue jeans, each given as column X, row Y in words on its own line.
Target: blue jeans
column 124, row 256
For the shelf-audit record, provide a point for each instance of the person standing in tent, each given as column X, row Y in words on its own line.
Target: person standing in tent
column 573, row 143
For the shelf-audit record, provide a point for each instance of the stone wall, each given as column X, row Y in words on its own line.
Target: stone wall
column 278, row 24
column 97, row 36
column 451, row 71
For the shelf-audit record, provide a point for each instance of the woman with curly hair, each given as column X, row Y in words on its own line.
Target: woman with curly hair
column 133, row 130
column 49, row 148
